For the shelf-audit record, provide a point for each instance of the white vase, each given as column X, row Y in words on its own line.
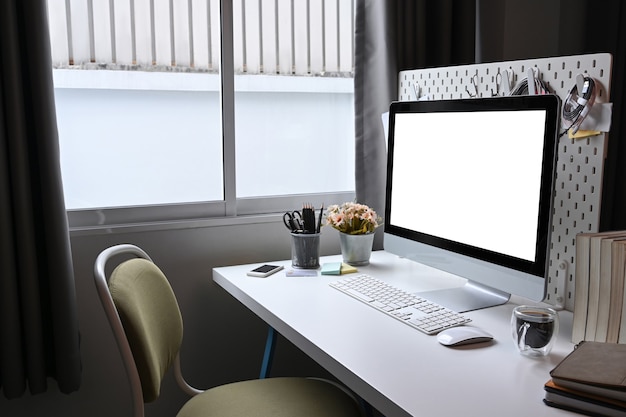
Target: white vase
column 356, row 249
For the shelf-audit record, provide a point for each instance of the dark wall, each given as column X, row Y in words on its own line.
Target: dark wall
column 522, row 29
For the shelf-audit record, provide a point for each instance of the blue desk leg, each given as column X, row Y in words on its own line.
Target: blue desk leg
column 268, row 355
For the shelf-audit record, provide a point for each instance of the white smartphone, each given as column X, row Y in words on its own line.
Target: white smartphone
column 265, row 270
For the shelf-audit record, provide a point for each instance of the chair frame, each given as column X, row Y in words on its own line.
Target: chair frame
column 102, row 287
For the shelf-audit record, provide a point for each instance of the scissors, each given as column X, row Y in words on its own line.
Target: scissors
column 293, row 220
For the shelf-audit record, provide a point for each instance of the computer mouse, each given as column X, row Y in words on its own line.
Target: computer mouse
column 463, row 335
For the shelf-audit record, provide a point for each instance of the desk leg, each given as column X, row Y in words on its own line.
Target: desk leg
column 268, row 355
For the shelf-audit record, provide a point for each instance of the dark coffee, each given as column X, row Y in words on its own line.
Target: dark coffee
column 535, row 330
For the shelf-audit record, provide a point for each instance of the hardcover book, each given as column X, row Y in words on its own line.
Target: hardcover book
column 594, row 405
column 595, row 368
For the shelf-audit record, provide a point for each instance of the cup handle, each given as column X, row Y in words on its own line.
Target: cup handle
column 521, row 335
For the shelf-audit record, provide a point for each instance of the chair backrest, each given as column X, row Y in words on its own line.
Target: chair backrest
column 145, row 318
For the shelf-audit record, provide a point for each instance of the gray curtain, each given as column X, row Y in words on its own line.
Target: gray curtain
column 391, row 36
column 38, row 324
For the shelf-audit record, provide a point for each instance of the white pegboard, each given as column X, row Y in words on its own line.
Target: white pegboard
column 580, row 164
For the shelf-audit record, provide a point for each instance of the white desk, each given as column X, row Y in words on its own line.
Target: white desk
column 397, row 369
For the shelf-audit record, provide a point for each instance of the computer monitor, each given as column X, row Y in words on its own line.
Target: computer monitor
column 469, row 191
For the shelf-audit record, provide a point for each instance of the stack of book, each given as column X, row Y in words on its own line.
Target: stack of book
column 599, row 313
column 591, row 380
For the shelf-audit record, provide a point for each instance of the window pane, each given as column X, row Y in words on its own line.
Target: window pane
column 137, row 92
column 137, row 97
column 294, row 111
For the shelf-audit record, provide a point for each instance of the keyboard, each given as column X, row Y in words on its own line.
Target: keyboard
column 417, row 312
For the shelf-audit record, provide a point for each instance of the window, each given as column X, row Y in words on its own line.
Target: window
column 149, row 116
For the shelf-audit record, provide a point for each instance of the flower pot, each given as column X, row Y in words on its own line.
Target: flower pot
column 356, row 249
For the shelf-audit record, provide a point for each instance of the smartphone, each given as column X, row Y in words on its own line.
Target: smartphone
column 265, row 270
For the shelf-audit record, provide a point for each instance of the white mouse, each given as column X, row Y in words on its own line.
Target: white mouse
column 463, row 335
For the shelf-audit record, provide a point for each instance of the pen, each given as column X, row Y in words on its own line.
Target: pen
column 319, row 221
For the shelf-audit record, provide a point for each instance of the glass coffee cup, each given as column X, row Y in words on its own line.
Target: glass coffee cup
column 534, row 329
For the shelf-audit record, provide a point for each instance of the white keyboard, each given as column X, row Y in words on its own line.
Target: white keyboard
column 415, row 311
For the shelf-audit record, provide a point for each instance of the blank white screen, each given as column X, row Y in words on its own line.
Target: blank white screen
column 470, row 177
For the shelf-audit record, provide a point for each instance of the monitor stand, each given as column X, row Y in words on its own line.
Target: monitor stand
column 471, row 296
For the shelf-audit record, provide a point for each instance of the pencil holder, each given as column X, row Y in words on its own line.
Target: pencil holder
column 305, row 250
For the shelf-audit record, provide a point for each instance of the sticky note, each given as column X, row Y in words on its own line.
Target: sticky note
column 331, row 268
column 581, row 134
column 347, row 269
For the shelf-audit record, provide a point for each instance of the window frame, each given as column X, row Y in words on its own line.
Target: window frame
column 229, row 210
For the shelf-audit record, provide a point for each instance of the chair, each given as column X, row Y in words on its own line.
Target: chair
column 146, row 321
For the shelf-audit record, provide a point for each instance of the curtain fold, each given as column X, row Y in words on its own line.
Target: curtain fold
column 391, row 36
column 38, row 323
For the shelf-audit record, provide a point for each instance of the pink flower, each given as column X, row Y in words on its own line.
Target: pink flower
column 352, row 218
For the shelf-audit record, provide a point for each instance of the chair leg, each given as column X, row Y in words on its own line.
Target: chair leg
column 268, row 355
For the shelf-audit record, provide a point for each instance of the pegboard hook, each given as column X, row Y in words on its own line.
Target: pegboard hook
column 508, row 82
column 416, row 90
column 474, row 82
column 533, row 81
column 498, row 82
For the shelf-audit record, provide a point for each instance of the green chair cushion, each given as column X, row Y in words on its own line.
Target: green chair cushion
column 151, row 318
column 272, row 397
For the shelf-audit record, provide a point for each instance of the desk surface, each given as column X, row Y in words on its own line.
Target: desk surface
column 397, row 369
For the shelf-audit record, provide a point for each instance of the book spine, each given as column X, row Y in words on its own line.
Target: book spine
column 581, row 288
